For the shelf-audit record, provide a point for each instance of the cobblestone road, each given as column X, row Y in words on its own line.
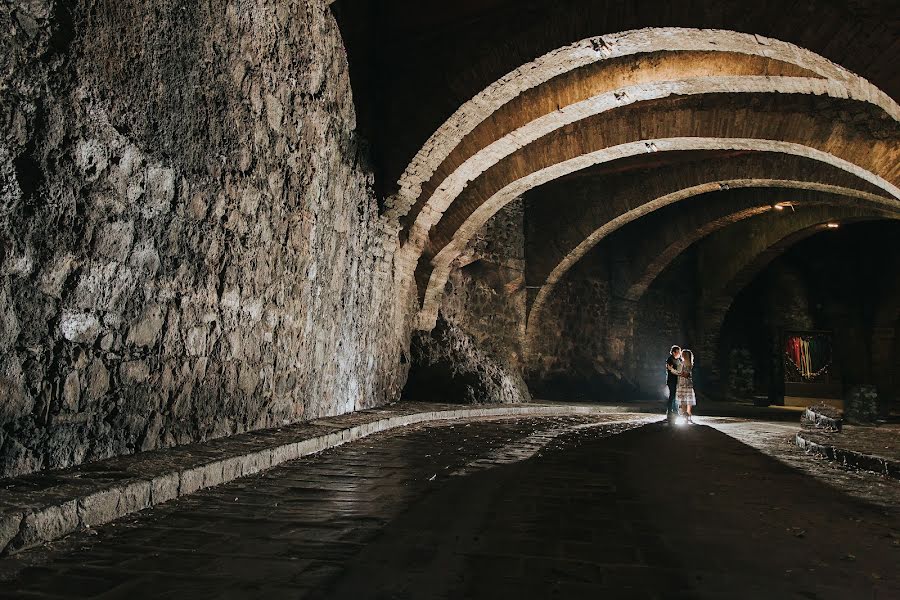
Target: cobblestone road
column 531, row 508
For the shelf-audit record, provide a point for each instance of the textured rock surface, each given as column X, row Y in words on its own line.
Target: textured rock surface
column 740, row 373
column 189, row 243
column 861, row 404
column 486, row 296
column 579, row 349
column 570, row 358
column 450, row 366
column 474, row 355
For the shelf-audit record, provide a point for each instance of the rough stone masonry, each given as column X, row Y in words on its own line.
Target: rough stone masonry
column 189, row 242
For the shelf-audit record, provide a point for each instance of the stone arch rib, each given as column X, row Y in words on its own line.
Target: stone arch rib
column 444, row 212
column 442, row 261
column 672, row 234
column 601, row 48
column 481, row 161
column 636, row 291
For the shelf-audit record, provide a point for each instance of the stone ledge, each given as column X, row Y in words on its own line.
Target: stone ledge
column 823, row 421
column 849, row 458
column 46, row 506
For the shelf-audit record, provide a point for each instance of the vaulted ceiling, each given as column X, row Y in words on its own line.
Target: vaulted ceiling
column 609, row 111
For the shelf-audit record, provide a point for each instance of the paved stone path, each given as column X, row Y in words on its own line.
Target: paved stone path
column 48, row 505
column 534, row 508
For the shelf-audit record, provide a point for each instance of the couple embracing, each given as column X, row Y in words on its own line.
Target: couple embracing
column 679, row 367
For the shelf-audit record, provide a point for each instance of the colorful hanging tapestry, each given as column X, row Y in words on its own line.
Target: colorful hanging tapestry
column 809, row 354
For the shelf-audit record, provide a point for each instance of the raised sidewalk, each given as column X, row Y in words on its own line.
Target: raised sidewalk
column 875, row 449
column 48, row 505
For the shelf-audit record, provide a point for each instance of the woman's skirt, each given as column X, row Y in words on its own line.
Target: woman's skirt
column 684, row 393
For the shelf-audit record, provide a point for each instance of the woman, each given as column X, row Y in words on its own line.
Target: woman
column 684, row 393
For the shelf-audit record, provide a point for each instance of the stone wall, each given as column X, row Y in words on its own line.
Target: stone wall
column 486, row 296
column 474, row 354
column 189, row 242
column 665, row 316
column 778, row 300
column 574, row 350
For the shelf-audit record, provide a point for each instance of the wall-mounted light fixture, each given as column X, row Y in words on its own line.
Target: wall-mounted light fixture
column 832, row 225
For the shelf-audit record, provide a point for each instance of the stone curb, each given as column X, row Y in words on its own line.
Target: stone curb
column 850, row 458
column 822, row 421
column 22, row 529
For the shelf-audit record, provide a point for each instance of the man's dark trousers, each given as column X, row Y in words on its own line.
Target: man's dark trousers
column 672, row 384
column 672, row 380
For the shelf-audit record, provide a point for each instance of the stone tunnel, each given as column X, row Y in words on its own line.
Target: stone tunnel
column 232, row 228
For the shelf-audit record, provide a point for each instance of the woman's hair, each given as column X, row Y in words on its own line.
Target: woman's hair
column 688, row 359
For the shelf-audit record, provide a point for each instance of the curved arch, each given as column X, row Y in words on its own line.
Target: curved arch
column 576, row 226
column 844, row 133
column 771, row 243
column 740, row 277
column 813, row 194
column 602, row 48
column 481, row 161
column 624, row 317
column 662, row 258
column 600, row 233
column 443, row 259
column 569, row 210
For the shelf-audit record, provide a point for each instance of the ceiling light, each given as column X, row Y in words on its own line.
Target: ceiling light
column 832, row 225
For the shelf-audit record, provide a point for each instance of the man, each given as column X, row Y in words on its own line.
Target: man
column 674, row 366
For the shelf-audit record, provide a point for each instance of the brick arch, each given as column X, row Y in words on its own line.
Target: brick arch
column 546, row 100
column 577, row 82
column 842, row 133
column 577, row 219
column 566, row 99
column 763, row 200
column 441, row 195
column 437, row 266
column 670, row 239
column 770, row 240
column 495, row 124
column 504, row 100
column 728, row 203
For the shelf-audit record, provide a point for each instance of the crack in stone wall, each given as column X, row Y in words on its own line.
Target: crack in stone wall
column 189, row 242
